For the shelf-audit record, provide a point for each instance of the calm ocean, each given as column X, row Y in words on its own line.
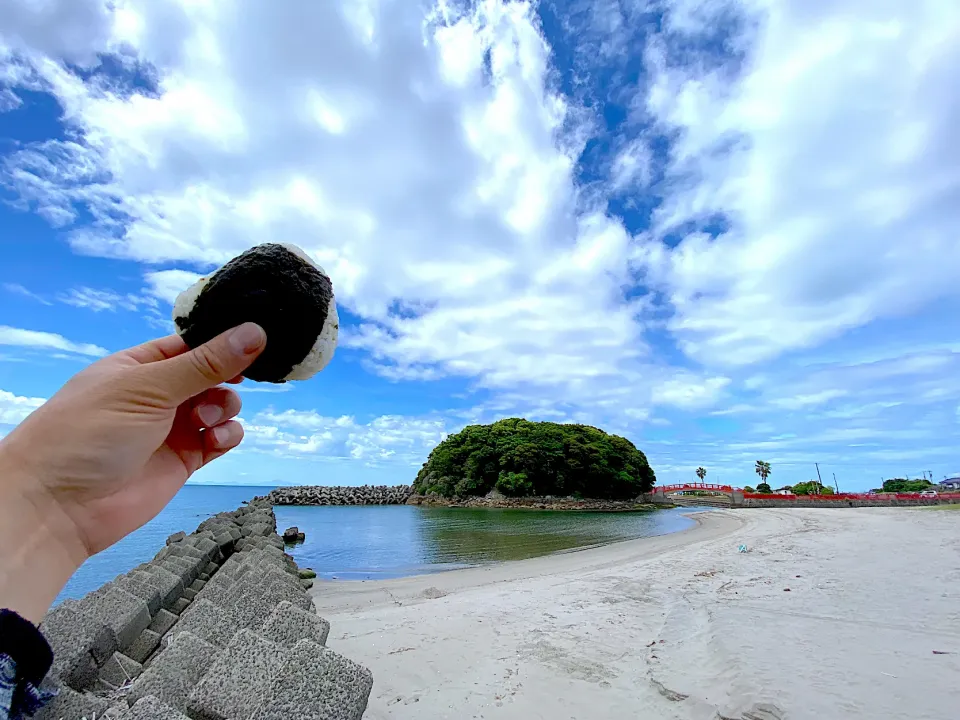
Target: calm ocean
column 374, row 542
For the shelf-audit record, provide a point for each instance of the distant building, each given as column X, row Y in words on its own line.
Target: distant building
column 786, row 490
column 950, row 485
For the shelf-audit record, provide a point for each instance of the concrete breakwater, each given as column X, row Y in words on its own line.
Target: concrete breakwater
column 404, row 495
column 338, row 495
column 218, row 625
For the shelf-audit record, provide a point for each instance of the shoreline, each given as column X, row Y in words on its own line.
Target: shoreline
column 362, row 495
column 679, row 625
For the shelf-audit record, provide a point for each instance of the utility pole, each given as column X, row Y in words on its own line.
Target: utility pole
column 819, row 479
column 835, row 483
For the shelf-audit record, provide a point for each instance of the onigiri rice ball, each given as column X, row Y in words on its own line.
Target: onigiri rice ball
column 281, row 289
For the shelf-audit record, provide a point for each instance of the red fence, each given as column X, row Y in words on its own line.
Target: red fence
column 954, row 497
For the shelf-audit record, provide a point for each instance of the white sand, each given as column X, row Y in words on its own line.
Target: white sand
column 681, row 626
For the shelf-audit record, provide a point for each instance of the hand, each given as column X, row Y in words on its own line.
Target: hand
column 108, row 451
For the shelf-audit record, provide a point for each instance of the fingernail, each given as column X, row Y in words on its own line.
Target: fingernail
column 247, row 338
column 209, row 414
column 222, row 436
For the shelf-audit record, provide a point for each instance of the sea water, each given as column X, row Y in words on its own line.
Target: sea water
column 384, row 541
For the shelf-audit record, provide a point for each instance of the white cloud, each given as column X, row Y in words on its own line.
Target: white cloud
column 167, row 284
column 100, row 300
column 18, row 337
column 14, row 408
column 18, row 289
column 444, row 205
column 436, row 171
column 70, row 30
column 9, row 100
column 686, row 391
column 393, row 439
column 830, row 159
column 802, row 401
column 251, row 388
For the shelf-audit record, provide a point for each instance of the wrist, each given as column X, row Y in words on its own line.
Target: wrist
column 39, row 547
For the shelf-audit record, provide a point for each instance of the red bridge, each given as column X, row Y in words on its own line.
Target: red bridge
column 692, row 486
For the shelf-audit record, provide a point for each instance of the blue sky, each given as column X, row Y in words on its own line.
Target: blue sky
column 727, row 229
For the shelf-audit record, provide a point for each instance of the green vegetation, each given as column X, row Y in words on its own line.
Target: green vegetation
column 748, row 489
column 519, row 457
column 812, row 487
column 900, row 485
column 701, row 473
column 764, row 488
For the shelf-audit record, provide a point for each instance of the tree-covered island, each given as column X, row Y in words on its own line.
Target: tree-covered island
column 522, row 458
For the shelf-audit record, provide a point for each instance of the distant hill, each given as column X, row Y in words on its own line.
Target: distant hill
column 523, row 458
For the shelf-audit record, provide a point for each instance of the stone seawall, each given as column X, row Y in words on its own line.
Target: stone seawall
column 218, row 625
column 339, row 495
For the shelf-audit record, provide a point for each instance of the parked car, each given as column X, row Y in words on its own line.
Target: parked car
column 928, row 493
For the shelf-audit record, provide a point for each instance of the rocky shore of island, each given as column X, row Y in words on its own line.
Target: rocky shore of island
column 497, row 501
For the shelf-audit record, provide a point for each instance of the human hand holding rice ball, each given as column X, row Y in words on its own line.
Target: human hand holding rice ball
column 278, row 287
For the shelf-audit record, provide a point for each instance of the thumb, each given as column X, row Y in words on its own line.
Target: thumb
column 223, row 358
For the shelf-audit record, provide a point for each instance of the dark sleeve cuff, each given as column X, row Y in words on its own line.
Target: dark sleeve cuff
column 23, row 643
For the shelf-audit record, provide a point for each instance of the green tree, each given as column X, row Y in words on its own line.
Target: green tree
column 519, row 457
column 748, row 489
column 812, row 487
column 901, row 485
column 763, row 470
column 701, row 473
column 764, row 488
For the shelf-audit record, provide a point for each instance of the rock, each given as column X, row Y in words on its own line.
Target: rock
column 149, row 708
column 292, row 534
column 162, row 622
column 124, row 613
column 317, row 684
column 168, row 584
column 144, row 646
column 120, row 670
column 72, row 705
column 79, row 645
column 262, row 529
column 212, row 623
column 149, row 593
column 365, row 495
column 237, row 680
column 288, row 624
column 174, row 672
column 250, row 641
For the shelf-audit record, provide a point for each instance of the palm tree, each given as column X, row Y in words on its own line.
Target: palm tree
column 763, row 470
column 701, row 473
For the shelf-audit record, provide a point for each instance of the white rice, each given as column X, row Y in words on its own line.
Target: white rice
column 186, row 300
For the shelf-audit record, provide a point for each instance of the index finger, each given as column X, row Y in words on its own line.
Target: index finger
column 156, row 350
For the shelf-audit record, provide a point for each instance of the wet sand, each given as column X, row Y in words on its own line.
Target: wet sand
column 836, row 613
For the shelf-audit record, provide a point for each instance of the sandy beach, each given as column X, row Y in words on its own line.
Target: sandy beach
column 830, row 614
